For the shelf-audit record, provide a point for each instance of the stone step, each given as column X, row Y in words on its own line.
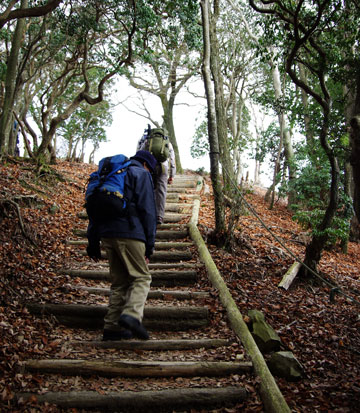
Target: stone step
column 180, row 189
column 175, row 217
column 182, row 184
column 179, row 208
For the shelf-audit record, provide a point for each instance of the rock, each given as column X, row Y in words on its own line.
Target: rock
column 54, row 209
column 284, row 364
column 264, row 335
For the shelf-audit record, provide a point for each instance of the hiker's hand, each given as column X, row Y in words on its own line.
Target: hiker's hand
column 170, row 180
column 147, row 260
column 94, row 252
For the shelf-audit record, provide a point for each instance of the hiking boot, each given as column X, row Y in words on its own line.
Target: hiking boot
column 134, row 325
column 112, row 335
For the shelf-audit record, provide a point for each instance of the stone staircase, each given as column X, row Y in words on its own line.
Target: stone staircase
column 193, row 360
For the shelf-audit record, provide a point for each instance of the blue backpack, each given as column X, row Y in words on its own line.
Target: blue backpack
column 104, row 197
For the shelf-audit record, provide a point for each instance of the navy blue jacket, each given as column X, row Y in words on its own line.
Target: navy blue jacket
column 141, row 224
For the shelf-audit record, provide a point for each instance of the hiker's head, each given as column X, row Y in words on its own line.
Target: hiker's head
column 145, row 156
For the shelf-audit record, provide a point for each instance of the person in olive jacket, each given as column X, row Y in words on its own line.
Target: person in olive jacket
column 129, row 243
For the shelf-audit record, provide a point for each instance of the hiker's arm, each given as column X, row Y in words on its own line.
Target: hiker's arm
column 147, row 210
column 93, row 248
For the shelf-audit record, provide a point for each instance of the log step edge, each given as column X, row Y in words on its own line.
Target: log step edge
column 157, row 401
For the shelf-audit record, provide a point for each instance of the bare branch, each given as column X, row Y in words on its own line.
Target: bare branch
column 15, row 205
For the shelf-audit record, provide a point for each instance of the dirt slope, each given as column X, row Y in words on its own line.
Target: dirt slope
column 37, row 214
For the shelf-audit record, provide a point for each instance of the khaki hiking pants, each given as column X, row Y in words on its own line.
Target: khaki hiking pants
column 130, row 279
column 161, row 190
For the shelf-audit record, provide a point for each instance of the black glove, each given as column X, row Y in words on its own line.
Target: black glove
column 149, row 252
column 93, row 251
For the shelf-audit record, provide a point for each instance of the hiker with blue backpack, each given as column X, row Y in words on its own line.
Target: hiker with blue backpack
column 156, row 141
column 122, row 214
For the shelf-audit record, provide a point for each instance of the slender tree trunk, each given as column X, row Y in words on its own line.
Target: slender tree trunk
column 52, row 152
column 317, row 244
column 82, row 150
column 257, row 155
column 13, row 135
column 48, row 134
column 355, row 146
column 70, row 149
column 238, row 166
column 6, row 119
column 73, row 151
column 349, row 185
column 92, row 154
column 309, row 134
column 270, row 193
column 284, row 131
column 27, row 149
column 212, row 127
column 168, row 109
column 257, row 172
column 221, row 121
column 236, row 129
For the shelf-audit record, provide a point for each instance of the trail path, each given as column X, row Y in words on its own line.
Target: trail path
column 193, row 360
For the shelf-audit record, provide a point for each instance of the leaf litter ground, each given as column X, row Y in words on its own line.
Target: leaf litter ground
column 324, row 336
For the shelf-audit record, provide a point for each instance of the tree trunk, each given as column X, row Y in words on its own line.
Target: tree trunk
column 221, row 122
column 6, row 119
column 309, row 134
column 212, row 126
column 52, row 152
column 92, row 154
column 168, row 109
column 49, row 133
column 270, row 193
column 284, row 130
column 27, row 99
column 355, row 147
column 317, row 244
column 257, row 154
column 49, row 127
column 13, row 137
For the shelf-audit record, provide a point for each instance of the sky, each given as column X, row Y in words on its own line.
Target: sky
column 189, row 111
column 128, row 127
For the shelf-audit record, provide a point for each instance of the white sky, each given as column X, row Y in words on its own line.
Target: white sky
column 128, row 127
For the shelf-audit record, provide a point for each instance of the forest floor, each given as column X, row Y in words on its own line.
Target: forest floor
column 37, row 215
